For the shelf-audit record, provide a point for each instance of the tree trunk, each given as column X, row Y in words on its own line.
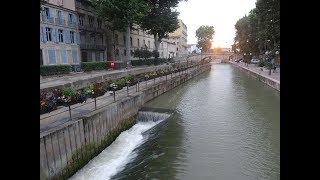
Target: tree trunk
column 127, row 57
column 113, row 52
column 157, row 42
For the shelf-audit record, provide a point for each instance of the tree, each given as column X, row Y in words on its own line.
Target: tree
column 204, row 35
column 121, row 15
column 161, row 19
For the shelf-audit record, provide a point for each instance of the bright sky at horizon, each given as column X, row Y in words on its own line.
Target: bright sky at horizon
column 221, row 14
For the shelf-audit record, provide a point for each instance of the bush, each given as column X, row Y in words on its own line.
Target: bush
column 261, row 63
column 48, row 70
column 93, row 66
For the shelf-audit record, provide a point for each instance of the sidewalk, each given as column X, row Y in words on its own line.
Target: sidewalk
column 265, row 72
column 55, row 81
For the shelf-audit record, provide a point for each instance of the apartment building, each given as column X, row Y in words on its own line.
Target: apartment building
column 59, row 35
column 179, row 38
column 92, row 33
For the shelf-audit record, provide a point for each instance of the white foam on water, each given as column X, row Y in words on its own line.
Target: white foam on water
column 114, row 158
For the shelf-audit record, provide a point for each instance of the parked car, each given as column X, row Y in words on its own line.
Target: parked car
column 238, row 60
column 255, row 61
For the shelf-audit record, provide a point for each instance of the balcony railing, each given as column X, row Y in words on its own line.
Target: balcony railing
column 72, row 23
column 47, row 19
column 61, row 22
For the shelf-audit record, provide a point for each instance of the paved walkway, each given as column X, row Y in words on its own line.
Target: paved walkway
column 61, row 116
column 46, row 82
column 265, row 72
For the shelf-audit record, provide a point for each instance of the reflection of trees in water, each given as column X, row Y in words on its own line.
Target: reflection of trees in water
column 156, row 158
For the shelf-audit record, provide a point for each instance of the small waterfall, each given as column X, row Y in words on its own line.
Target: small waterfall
column 114, row 158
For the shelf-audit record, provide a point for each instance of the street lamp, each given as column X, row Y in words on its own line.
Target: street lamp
column 127, row 88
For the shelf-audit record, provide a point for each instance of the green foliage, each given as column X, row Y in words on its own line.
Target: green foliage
column 260, row 30
column 143, row 53
column 48, row 70
column 204, row 35
column 149, row 61
column 68, row 92
column 155, row 54
column 120, row 14
column 93, row 66
column 161, row 19
column 261, row 63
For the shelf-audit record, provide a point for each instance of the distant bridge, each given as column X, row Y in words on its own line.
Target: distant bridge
column 217, row 57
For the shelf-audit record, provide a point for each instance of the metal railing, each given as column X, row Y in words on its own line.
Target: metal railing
column 77, row 111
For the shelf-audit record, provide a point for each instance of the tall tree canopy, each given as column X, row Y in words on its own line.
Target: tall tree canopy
column 161, row 19
column 204, row 35
column 260, row 30
column 121, row 15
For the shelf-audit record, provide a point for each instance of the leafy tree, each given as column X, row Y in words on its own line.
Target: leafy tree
column 204, row 35
column 155, row 54
column 161, row 19
column 121, row 15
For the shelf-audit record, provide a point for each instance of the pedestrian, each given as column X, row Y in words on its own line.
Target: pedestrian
column 274, row 68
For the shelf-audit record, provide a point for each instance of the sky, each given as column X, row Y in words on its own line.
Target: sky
column 221, row 14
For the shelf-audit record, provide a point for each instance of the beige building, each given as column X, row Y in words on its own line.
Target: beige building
column 59, row 35
column 179, row 38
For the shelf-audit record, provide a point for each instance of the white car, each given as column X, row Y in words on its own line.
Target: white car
column 255, row 61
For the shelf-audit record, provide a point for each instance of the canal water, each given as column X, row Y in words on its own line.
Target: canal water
column 224, row 125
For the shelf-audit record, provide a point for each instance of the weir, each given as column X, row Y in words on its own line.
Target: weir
column 122, row 151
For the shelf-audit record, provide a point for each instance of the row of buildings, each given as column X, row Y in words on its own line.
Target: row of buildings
column 70, row 33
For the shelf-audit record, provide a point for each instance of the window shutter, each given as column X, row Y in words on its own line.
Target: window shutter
column 41, row 35
column 44, row 35
column 54, row 35
column 77, row 38
column 63, row 56
column 75, row 56
column 67, row 36
column 52, row 56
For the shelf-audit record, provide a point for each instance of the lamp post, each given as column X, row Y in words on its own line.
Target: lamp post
column 127, row 88
column 114, row 86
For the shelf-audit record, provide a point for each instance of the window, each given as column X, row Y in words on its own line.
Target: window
column 52, row 56
column 138, row 42
column 59, row 17
column 131, row 52
column 91, row 21
column 60, row 35
column 99, row 23
column 63, row 56
column 149, row 44
column 124, row 40
column 71, row 19
column 81, row 18
column 74, row 56
column 117, row 52
column 125, row 52
column 116, row 39
column 48, row 34
column 144, row 42
column 72, row 37
column 46, row 12
column 177, row 49
column 161, row 45
column 131, row 41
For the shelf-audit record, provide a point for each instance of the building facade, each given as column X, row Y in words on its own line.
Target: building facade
column 193, row 48
column 179, row 38
column 59, row 35
column 92, row 33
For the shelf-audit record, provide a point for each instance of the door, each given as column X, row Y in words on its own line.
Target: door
column 93, row 56
column 41, row 58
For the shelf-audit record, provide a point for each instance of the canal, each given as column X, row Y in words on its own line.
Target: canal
column 225, row 125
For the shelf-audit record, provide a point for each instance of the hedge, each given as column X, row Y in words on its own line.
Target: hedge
column 48, row 70
column 92, row 66
column 142, row 62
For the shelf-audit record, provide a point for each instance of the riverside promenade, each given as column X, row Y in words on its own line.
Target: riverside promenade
column 262, row 74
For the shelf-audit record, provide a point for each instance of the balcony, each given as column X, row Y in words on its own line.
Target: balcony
column 93, row 46
column 72, row 23
column 47, row 19
column 60, row 22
